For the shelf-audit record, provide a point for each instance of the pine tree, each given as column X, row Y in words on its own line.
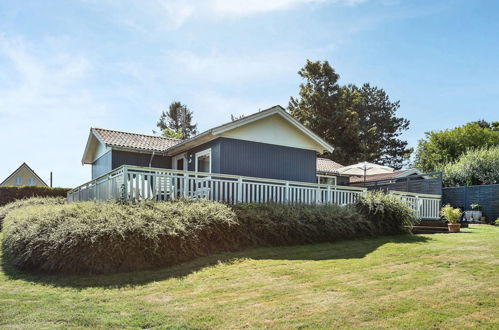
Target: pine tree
column 177, row 122
column 360, row 123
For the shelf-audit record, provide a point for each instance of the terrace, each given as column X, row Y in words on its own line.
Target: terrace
column 134, row 183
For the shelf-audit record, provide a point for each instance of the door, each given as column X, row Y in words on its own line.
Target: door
column 179, row 162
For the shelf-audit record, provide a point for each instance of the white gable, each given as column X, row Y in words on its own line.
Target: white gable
column 94, row 149
column 273, row 129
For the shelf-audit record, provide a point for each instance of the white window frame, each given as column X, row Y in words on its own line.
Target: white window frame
column 32, row 181
column 199, row 154
column 18, row 181
column 319, row 176
column 174, row 162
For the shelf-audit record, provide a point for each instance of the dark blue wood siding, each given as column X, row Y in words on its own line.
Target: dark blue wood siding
column 229, row 156
column 102, row 165
column 115, row 158
column 215, row 156
column 139, row 159
column 264, row 160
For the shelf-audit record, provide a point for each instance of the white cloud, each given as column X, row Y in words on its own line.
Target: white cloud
column 218, row 67
column 45, row 109
column 155, row 15
column 213, row 108
column 249, row 7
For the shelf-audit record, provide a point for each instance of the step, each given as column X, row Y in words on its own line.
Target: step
column 429, row 230
column 432, row 223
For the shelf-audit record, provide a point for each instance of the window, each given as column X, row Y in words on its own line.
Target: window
column 18, row 181
column 32, row 181
column 326, row 179
column 203, row 161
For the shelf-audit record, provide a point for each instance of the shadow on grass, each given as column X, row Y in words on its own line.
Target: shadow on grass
column 351, row 249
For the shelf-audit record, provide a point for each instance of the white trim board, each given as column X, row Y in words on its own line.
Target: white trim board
column 199, row 154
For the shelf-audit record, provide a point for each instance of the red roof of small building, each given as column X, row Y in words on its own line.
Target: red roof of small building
column 376, row 177
column 135, row 141
column 325, row 165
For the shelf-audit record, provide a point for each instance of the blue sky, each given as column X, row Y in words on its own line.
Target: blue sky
column 66, row 66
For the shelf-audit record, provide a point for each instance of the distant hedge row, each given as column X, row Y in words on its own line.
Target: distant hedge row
column 10, row 194
column 93, row 237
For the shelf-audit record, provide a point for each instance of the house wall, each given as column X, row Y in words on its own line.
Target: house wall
column 229, row 156
column 342, row 180
column 215, row 156
column 115, row 158
column 102, row 165
column 139, row 159
column 274, row 130
column 263, row 160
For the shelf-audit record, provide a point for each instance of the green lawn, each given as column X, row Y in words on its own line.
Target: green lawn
column 430, row 281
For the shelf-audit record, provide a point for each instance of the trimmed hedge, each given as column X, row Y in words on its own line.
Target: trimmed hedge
column 388, row 213
column 4, row 210
column 10, row 194
column 92, row 237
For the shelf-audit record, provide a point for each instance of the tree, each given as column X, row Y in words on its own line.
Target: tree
column 236, row 117
column 439, row 148
column 474, row 167
column 359, row 123
column 326, row 109
column 379, row 128
column 177, row 122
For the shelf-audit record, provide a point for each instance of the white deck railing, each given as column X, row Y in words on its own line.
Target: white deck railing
column 426, row 206
column 132, row 183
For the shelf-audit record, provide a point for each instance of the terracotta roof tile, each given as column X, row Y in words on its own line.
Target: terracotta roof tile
column 375, row 177
column 325, row 165
column 135, row 141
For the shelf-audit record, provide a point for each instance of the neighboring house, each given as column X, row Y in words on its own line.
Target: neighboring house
column 23, row 176
column 385, row 177
column 327, row 172
column 268, row 144
column 410, row 180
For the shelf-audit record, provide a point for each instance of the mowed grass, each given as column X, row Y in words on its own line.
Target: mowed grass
column 428, row 281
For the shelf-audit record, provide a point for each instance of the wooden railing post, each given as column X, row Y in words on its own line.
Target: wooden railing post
column 124, row 196
column 239, row 196
column 286, row 195
column 186, row 184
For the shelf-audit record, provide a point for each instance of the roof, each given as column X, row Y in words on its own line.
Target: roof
column 17, row 169
column 169, row 146
column 134, row 141
column 385, row 176
column 214, row 132
column 325, row 165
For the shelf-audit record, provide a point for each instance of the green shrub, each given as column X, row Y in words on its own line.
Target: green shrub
column 388, row 213
column 11, row 194
column 453, row 215
column 4, row 210
column 279, row 224
column 475, row 167
column 110, row 237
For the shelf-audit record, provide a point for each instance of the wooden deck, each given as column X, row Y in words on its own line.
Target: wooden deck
column 132, row 183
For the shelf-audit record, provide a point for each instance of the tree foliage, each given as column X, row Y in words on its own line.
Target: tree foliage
column 442, row 147
column 359, row 122
column 177, row 122
column 475, row 167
